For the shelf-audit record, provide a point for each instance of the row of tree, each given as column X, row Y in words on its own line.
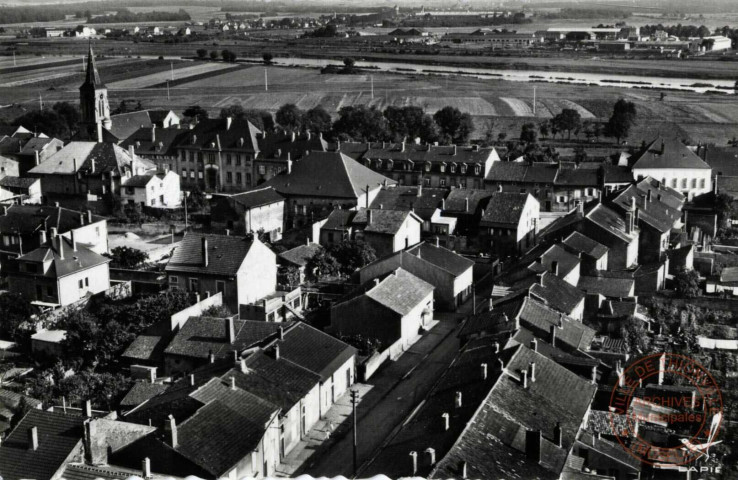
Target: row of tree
column 126, row 16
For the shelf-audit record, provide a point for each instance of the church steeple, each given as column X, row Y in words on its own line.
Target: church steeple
column 93, row 97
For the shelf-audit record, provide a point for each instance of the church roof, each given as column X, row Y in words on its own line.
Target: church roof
column 92, row 78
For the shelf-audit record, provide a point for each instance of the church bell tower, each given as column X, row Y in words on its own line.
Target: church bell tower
column 93, row 97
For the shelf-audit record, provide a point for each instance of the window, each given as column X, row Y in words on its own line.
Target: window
column 194, row 284
column 238, row 178
column 463, row 169
column 87, row 281
column 199, row 174
column 192, row 174
column 129, row 190
column 248, row 178
column 31, row 268
column 702, row 183
column 192, row 156
column 443, row 168
column 463, row 183
column 427, row 181
column 427, row 167
column 453, row 168
column 228, row 159
column 173, row 280
column 522, row 190
column 199, row 156
column 674, row 183
column 477, row 169
column 684, row 183
column 220, row 286
column 262, row 170
column 153, row 202
column 81, row 283
column 229, row 177
column 238, row 160
column 442, row 182
column 694, row 183
column 211, row 158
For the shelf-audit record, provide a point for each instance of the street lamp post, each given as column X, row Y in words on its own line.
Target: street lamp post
column 354, row 401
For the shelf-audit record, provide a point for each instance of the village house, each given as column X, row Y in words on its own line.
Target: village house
column 592, row 255
column 20, row 190
column 450, row 274
column 59, row 272
column 559, row 262
column 243, row 269
column 620, row 236
column 299, row 257
column 343, row 183
column 675, row 165
column 387, row 231
column 259, row 210
column 156, row 144
column 423, row 202
column 510, row 222
column 30, row 151
column 279, row 148
column 392, row 310
column 156, row 190
column 466, row 205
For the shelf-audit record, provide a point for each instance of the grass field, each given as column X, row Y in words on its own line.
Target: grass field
column 144, row 81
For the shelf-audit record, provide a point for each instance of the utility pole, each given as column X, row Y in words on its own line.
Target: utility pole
column 167, row 90
column 534, row 101
column 371, row 77
column 266, row 81
column 40, row 102
column 474, row 300
column 171, row 66
column 354, row 401
column 14, row 59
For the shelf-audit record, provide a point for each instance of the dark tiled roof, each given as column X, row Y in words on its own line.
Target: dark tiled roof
column 257, row 198
column 149, row 141
column 543, row 173
column 456, row 201
column 617, row 174
column 504, row 208
column 655, row 213
column 557, row 293
column 143, row 347
column 428, row 153
column 442, row 258
column 106, row 157
column 579, row 243
column 125, row 124
column 226, row 254
column 565, row 260
column 339, row 177
column 400, row 292
column 507, row 172
column 674, row 154
column 301, row 255
column 339, row 220
column 281, row 144
column 610, row 221
column 139, row 181
column 140, row 392
column 492, row 322
column 58, row 436
column 607, row 286
column 387, row 222
column 540, row 317
column 17, row 182
column 423, row 201
column 72, row 261
column 572, row 176
column 11, row 399
column 28, row 219
column 212, row 134
column 314, row 350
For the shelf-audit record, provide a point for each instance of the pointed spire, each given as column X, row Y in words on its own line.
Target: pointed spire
column 92, row 77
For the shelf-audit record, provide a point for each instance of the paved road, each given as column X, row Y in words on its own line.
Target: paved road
column 436, row 350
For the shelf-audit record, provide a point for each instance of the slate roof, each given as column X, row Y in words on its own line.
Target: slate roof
column 339, row 177
column 58, row 436
column 579, row 243
column 491, row 322
column 610, row 221
column 256, row 198
column 504, row 208
column 386, row 222
column 607, row 286
column 28, row 219
column 107, row 157
column 159, row 143
column 212, row 134
column 421, row 200
column 126, row 124
column 17, row 182
column 557, row 293
column 140, row 392
column 226, row 254
column 300, row 255
column 400, row 291
column 617, row 174
column 72, row 262
column 540, row 317
column 314, row 350
column 456, row 200
column 200, row 336
column 507, row 172
column 567, row 262
column 137, row 181
column 428, row 153
column 280, row 144
column 92, row 77
column 655, row 213
column 569, row 175
column 339, row 219
column 674, row 154
column 143, row 347
column 442, row 258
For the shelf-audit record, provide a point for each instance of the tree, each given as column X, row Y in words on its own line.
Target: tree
column 127, row 257
column 322, row 265
column 489, row 132
column 290, row 117
column 202, row 53
column 544, row 129
column 408, row 123
column 635, row 335
column 361, row 123
column 688, row 284
column 352, row 255
column 622, row 120
column 349, row 64
column 318, row 120
column 213, row 55
column 217, row 311
column 60, row 121
column 228, row 56
column 568, row 120
column 195, row 111
column 454, row 126
column 16, row 316
column 267, row 57
column 725, row 209
column 529, row 134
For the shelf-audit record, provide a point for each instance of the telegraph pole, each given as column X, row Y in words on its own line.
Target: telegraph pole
column 14, row 59
column 371, row 77
column 534, row 101
column 171, row 66
column 168, row 90
column 266, row 81
column 354, row 401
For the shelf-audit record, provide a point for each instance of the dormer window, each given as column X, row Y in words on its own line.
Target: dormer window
column 390, row 164
column 453, row 168
column 427, row 166
column 463, row 169
column 443, row 168
column 379, row 163
column 477, row 169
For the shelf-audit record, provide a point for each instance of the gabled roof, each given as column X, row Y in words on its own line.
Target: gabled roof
column 339, row 219
column 153, row 141
column 566, row 261
column 557, row 293
column 668, row 153
column 608, row 286
column 226, row 254
column 64, row 259
column 58, row 436
column 421, row 200
column 314, row 350
column 610, row 221
column 256, row 198
column 300, row 255
column 138, row 181
column 140, row 392
column 504, row 208
column 571, row 175
column 387, row 222
column 466, row 201
column 428, row 153
column 280, row 144
column 442, row 258
column 29, row 219
column 18, row 182
column 539, row 317
column 507, row 172
column 88, row 157
column 400, row 291
column 339, row 177
column 214, row 134
column 126, row 124
column 655, row 212
column 578, row 243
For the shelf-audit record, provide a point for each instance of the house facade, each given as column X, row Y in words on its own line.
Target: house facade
column 510, row 222
column 156, row 190
column 257, row 210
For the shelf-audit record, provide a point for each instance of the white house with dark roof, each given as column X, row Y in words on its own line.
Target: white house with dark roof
column 675, row 165
column 243, row 269
column 592, row 254
column 261, row 209
column 155, row 189
column 559, row 262
column 510, row 222
column 59, row 272
column 393, row 310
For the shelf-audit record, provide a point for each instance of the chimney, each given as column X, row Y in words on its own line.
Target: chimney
column 37, row 160
column 42, row 237
column 99, row 132
column 663, row 147
column 293, row 137
column 192, row 379
column 454, row 149
column 463, row 468
column 231, row 330
column 524, row 378
column 466, row 204
column 628, row 222
column 431, row 456
column 443, row 204
column 368, row 217
column 205, row 251
column 501, row 364
column 715, row 185
column 484, row 371
column 533, row 445
column 211, row 357
column 229, row 121
column 553, row 335
column 632, row 204
column 233, row 383
column 146, row 468
column 228, row 232
column 54, row 232
column 438, row 242
column 81, row 218
column 131, row 151
column 60, row 245
column 446, row 419
column 648, row 195
column 497, row 347
column 555, row 268
column 532, row 369
column 281, row 333
column 74, row 240
column 458, row 400
column 289, row 164
column 534, row 345
column 88, row 409
column 557, row 434
column 171, row 427
column 419, row 193
column 414, row 456
column 276, row 351
column 33, row 438
column 594, row 375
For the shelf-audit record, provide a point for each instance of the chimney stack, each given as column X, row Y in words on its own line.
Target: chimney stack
column 88, row 409
column 42, row 237
column 553, row 335
column 431, row 456
column 74, row 240
column 276, row 351
column 532, row 369
column 131, row 151
column 446, row 421
column 230, row 330
column 414, row 457
column 648, row 195
column 281, row 333
column 628, row 223
column 171, row 427
column 233, row 383
column 594, row 375
column 533, row 445
column 484, row 371
column 466, row 204
column 524, row 378
column 146, row 468
column 229, row 121
column 368, row 217
column 497, row 347
column 192, row 379
column 534, row 345
column 555, row 268
column 33, row 438
column 205, row 251
column 37, row 159
column 458, row 400
column 211, row 357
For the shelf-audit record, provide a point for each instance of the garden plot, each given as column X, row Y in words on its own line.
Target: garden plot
column 557, row 105
column 161, row 77
column 519, row 107
column 475, row 106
